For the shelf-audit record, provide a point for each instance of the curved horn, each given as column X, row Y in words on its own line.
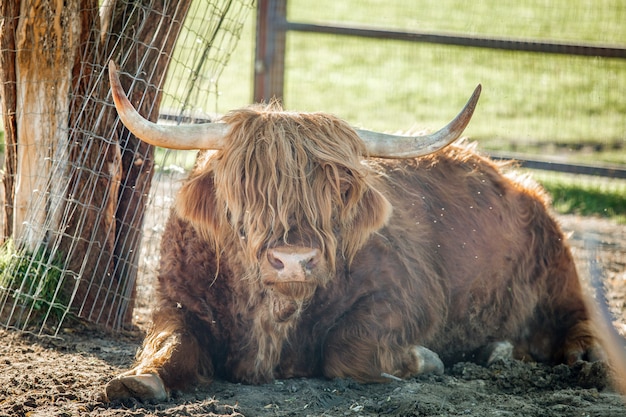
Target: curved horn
column 394, row 146
column 183, row 137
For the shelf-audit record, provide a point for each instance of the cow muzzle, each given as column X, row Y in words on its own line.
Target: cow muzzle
column 293, row 271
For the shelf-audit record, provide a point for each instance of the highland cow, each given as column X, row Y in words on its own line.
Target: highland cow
column 305, row 248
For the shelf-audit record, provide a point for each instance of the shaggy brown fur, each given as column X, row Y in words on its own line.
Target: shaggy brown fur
column 467, row 257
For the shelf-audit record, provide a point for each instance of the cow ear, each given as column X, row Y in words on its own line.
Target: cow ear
column 373, row 212
column 196, row 203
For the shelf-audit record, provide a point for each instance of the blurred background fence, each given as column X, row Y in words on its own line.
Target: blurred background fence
column 553, row 73
column 413, row 70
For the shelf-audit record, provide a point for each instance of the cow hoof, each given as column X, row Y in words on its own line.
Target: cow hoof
column 428, row 361
column 592, row 354
column 499, row 351
column 146, row 387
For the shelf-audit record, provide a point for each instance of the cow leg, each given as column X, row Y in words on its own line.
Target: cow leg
column 553, row 343
column 561, row 330
column 560, row 339
column 370, row 359
column 170, row 359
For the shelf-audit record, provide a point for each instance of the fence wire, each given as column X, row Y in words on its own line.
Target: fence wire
column 44, row 280
column 563, row 106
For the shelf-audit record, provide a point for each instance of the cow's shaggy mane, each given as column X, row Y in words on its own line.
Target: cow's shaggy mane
column 318, row 182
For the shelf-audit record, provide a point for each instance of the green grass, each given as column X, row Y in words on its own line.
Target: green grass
column 529, row 100
column 584, row 195
column 588, row 20
column 34, row 281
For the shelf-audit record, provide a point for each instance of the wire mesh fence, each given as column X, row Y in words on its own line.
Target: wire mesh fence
column 73, row 244
column 77, row 235
column 560, row 105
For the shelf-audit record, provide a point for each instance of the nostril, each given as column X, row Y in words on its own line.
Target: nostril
column 274, row 260
column 312, row 262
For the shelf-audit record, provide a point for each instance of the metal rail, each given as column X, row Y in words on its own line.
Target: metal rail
column 565, row 48
column 546, row 165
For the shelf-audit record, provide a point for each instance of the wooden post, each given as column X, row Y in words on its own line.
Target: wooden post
column 46, row 38
column 269, row 61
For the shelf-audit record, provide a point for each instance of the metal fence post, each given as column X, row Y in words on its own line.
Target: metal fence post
column 269, row 61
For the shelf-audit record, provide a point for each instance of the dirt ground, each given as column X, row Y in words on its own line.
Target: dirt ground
column 65, row 377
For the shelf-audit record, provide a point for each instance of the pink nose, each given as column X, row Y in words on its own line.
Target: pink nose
column 293, row 262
